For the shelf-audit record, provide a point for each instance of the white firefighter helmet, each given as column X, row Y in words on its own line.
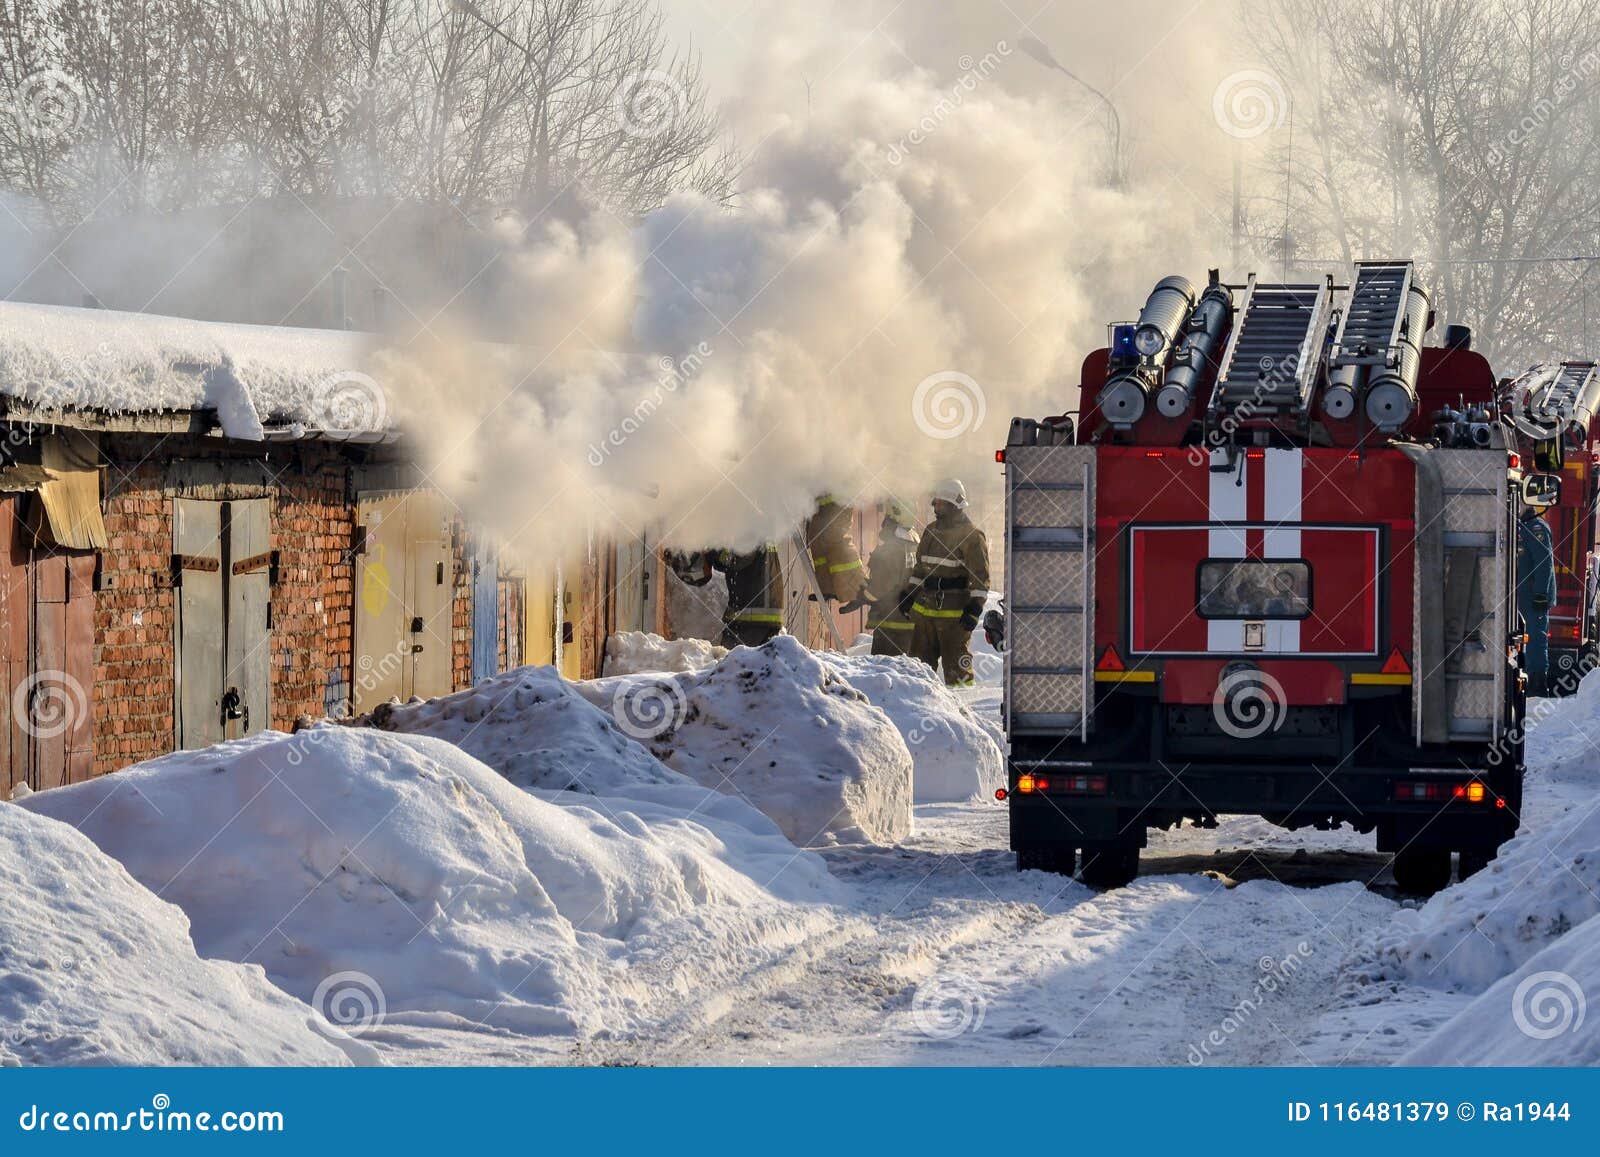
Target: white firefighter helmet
column 898, row 512
column 951, row 491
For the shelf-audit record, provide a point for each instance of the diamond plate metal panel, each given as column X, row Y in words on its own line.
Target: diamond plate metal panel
column 1048, row 464
column 1047, row 578
column 1047, row 507
column 1047, row 694
column 1049, row 640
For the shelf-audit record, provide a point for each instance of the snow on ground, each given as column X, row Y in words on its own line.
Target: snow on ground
column 96, row 970
column 635, row 652
column 779, row 727
column 533, row 727
column 102, row 359
column 954, row 756
column 1455, row 965
column 1538, row 1015
column 642, row 918
column 396, row 881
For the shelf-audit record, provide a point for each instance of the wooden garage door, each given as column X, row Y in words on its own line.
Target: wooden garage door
column 46, row 658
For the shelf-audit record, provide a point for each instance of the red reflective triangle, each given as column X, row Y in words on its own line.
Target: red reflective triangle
column 1110, row 660
column 1396, row 664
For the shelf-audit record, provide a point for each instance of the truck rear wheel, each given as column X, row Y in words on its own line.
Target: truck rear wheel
column 1422, row 871
column 1061, row 861
column 1111, row 865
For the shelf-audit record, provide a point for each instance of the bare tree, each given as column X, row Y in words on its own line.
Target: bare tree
column 1463, row 132
column 470, row 105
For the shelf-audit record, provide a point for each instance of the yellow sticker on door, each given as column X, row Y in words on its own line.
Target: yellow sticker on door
column 375, row 584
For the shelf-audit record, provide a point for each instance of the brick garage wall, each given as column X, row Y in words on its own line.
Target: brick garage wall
column 134, row 615
column 135, row 609
column 313, row 603
column 460, row 607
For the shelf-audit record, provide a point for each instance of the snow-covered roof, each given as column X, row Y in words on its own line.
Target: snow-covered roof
column 261, row 381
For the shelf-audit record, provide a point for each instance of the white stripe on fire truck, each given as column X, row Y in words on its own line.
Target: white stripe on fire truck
column 1282, row 481
column 1226, row 503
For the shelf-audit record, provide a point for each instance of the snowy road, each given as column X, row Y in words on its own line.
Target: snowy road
column 963, row 960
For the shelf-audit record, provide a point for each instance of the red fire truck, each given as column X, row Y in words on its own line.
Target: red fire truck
column 1265, row 573
column 1552, row 409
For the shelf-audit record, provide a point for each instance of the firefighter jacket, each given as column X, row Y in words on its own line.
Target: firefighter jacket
column 755, row 585
column 952, row 567
column 833, row 550
column 889, row 574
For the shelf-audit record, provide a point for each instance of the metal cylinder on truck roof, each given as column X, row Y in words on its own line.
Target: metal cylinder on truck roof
column 1339, row 399
column 1122, row 402
column 1392, row 390
column 1163, row 315
column 1206, row 325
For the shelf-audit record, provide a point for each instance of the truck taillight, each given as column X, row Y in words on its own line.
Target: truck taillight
column 1026, row 784
column 1079, row 784
column 1438, row 791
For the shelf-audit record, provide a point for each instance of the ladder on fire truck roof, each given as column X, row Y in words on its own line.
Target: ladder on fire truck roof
column 1270, row 366
column 1369, row 331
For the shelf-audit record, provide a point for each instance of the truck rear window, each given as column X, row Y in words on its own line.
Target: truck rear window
column 1252, row 588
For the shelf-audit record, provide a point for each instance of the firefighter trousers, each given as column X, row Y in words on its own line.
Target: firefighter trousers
column 889, row 639
column 944, row 642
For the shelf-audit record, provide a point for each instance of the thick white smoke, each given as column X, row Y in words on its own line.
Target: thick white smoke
column 915, row 260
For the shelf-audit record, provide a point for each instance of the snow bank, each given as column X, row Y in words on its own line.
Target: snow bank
column 780, row 728
column 953, row 754
column 107, row 360
column 635, row 652
column 534, row 729
column 1538, row 1015
column 1544, row 883
column 94, row 969
column 396, row 877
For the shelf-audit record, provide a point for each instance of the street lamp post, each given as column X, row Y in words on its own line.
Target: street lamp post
column 1040, row 51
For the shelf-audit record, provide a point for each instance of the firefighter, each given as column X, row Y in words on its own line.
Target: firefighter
column 833, row 551
column 888, row 580
column 1536, row 591
column 951, row 578
column 755, row 596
